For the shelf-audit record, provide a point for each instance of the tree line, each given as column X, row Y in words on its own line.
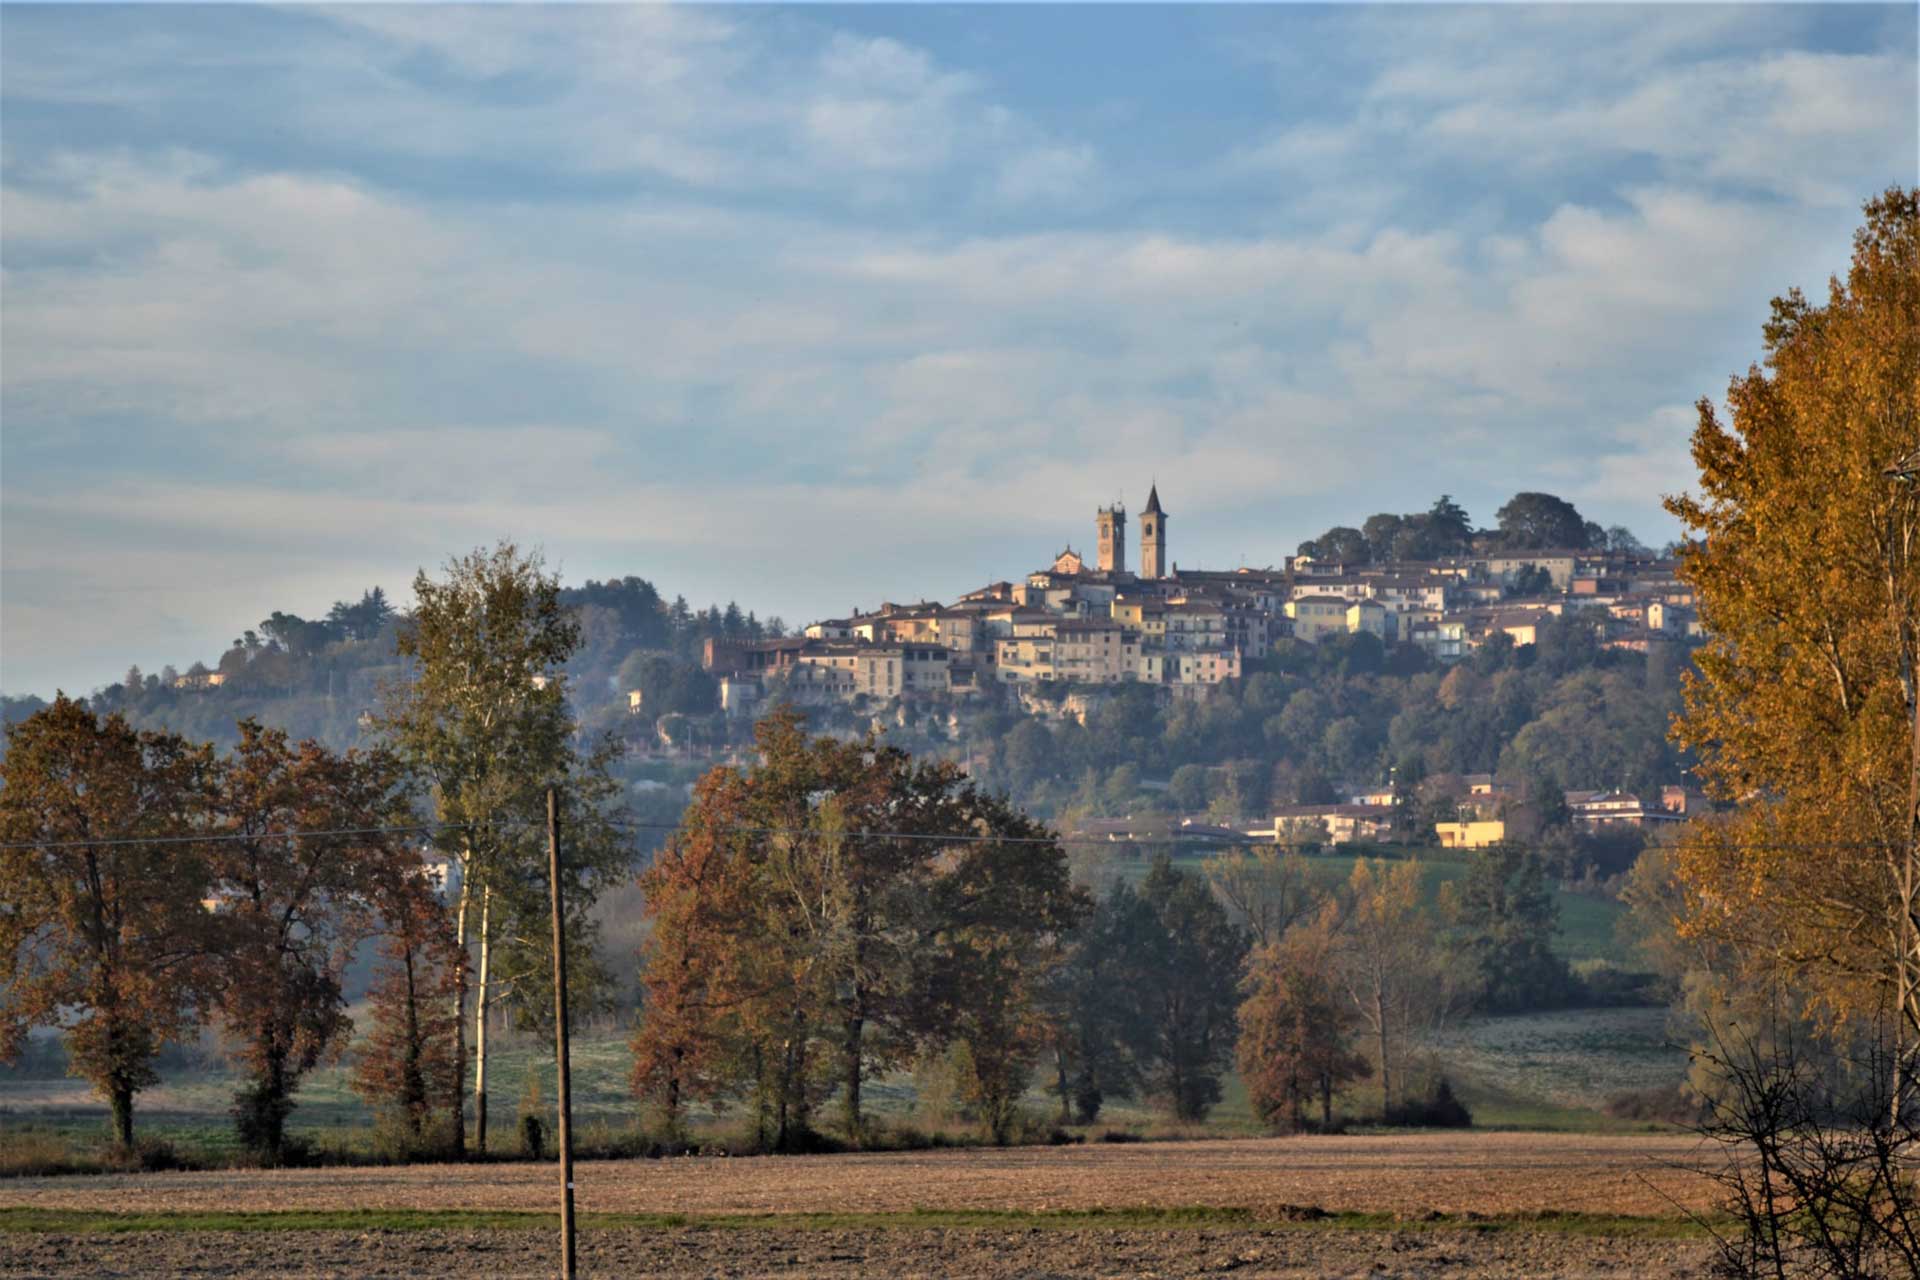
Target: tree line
column 844, row 910
column 152, row 885
column 838, row 912
column 1528, row 522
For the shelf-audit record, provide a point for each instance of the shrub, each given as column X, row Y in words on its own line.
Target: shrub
column 1439, row 1109
column 1605, row 984
column 1666, row 1104
column 398, row 1138
column 32, row 1154
column 533, row 1120
column 533, row 1137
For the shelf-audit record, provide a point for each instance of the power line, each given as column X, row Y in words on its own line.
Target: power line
column 930, row 837
column 221, row 837
column 1142, row 838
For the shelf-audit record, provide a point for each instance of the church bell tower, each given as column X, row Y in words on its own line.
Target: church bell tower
column 1112, row 524
column 1153, row 537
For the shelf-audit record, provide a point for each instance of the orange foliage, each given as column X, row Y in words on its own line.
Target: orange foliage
column 107, row 939
column 1806, row 561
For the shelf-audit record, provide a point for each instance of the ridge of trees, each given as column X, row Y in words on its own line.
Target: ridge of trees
column 1528, row 522
column 316, row 677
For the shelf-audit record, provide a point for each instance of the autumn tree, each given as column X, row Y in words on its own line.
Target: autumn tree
column 695, row 979
column 1805, row 559
column 406, row 1065
column 1000, row 914
column 1389, row 965
column 102, row 933
column 820, row 918
column 1268, row 889
column 290, row 911
column 849, row 899
column 484, row 721
column 1296, row 1028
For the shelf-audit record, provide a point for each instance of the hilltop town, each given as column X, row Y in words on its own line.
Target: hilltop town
column 1185, row 631
column 1061, row 638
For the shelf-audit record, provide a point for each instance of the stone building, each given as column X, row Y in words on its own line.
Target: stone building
column 1112, row 524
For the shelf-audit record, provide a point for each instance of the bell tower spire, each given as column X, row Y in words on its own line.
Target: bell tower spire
column 1153, row 537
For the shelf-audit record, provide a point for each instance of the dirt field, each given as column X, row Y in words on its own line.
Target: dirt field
column 895, row 1253
column 1484, row 1173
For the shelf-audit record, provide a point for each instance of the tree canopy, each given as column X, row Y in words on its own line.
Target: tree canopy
column 836, row 911
column 1805, row 556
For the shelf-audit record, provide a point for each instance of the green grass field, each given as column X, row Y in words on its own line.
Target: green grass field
column 1546, row 1071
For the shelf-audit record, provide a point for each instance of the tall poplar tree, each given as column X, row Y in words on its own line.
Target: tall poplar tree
column 1389, row 965
column 1804, row 553
column 483, row 720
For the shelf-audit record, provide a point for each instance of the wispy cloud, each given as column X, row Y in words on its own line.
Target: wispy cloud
column 300, row 300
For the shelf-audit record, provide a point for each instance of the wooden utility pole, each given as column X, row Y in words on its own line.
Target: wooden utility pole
column 560, row 1036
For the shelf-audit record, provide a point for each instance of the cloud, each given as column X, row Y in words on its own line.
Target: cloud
column 700, row 293
column 1561, row 97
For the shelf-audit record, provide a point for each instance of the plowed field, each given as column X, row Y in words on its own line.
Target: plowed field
column 1479, row 1173
column 995, row 1255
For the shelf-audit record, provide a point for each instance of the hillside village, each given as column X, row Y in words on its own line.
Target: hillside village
column 1084, row 687
column 1065, row 632
column 1184, row 631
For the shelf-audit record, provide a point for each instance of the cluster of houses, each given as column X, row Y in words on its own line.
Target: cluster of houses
column 1186, row 631
column 1494, row 811
column 1488, row 812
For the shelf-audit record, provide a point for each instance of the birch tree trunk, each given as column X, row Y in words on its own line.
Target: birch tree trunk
column 480, row 1022
column 459, row 1141
column 1386, row 1070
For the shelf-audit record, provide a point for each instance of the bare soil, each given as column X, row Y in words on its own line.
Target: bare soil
column 1456, row 1173
column 898, row 1253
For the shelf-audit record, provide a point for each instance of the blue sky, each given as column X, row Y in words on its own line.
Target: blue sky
column 813, row 307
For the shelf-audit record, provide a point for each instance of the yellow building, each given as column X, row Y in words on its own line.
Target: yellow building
column 1021, row 659
column 1317, row 616
column 1470, row 835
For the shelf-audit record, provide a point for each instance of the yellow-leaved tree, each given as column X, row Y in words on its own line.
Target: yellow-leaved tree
column 1804, row 554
